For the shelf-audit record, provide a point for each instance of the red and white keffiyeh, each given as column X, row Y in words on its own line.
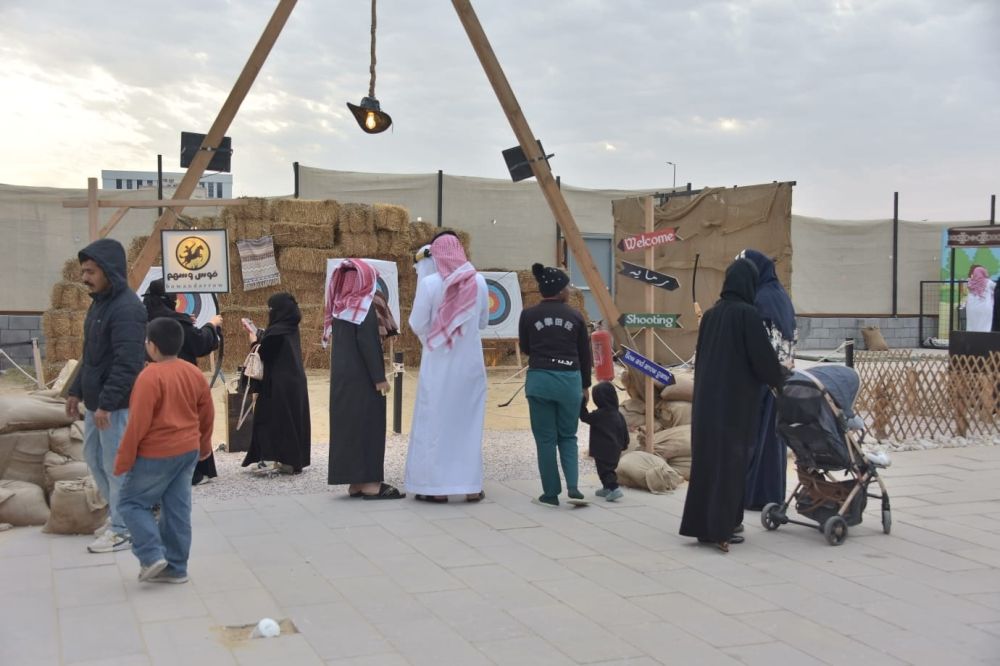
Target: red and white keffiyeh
column 460, row 291
column 349, row 296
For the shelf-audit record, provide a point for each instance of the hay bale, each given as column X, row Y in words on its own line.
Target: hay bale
column 303, row 211
column 303, row 259
column 71, row 270
column 77, row 294
column 391, row 218
column 359, row 245
column 287, row 234
column 393, row 243
column 56, row 296
column 250, row 208
column 421, row 234
column 57, row 324
column 357, row 218
column 63, row 349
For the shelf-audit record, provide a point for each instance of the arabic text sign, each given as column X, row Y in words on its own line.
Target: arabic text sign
column 649, row 320
column 647, row 367
column 648, row 277
column 195, row 260
column 647, row 240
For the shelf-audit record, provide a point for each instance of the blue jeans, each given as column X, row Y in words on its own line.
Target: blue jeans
column 99, row 450
column 166, row 481
column 554, row 398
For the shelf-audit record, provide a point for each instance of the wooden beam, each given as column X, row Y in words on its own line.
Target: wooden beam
column 92, row 204
column 213, row 139
column 650, row 348
column 540, row 167
column 154, row 203
column 115, row 219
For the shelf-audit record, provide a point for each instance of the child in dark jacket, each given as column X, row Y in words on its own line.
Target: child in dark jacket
column 608, row 437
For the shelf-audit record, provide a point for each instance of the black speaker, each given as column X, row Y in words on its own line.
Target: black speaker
column 517, row 163
column 221, row 157
column 972, row 343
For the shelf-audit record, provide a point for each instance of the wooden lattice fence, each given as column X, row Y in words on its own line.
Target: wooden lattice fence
column 906, row 395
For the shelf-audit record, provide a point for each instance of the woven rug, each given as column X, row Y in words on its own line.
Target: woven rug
column 257, row 259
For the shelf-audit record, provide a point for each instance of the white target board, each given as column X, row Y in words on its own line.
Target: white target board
column 504, row 293
column 201, row 307
column 388, row 281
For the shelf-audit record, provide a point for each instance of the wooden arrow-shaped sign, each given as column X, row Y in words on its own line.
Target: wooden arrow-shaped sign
column 646, row 366
column 648, row 277
column 649, row 320
column 647, row 240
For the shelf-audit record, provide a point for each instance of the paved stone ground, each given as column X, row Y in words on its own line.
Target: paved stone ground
column 507, row 582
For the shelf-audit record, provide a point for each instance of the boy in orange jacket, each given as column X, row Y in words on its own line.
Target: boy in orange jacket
column 169, row 430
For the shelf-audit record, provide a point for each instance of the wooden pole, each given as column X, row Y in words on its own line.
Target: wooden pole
column 214, row 137
column 115, row 219
column 539, row 166
column 650, row 350
column 92, row 208
column 36, row 357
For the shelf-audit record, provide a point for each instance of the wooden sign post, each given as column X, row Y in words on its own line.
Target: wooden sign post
column 650, row 340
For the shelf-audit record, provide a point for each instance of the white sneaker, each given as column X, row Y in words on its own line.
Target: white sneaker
column 164, row 577
column 153, row 570
column 105, row 526
column 615, row 494
column 109, row 542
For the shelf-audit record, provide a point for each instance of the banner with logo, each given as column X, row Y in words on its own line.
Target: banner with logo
column 195, row 260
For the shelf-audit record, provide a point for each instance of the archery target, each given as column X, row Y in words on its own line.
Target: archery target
column 200, row 307
column 504, row 295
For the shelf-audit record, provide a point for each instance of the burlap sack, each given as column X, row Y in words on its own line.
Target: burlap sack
column 67, row 442
column 682, row 464
column 672, row 413
column 873, row 339
column 646, row 471
column 60, row 468
column 671, row 443
column 681, row 389
column 22, row 504
column 634, row 412
column 32, row 412
column 21, row 456
column 77, row 508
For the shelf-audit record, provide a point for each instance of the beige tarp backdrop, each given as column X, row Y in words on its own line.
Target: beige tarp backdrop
column 39, row 235
column 524, row 232
column 715, row 224
column 845, row 266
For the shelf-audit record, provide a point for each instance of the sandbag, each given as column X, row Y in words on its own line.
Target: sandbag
column 681, row 389
column 22, row 504
column 646, row 471
column 60, row 468
column 673, row 413
column 67, row 442
column 77, row 508
column 32, row 412
column 634, row 412
column 671, row 443
column 22, row 454
column 682, row 464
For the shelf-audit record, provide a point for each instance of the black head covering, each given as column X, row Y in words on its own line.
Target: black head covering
column 158, row 302
column 283, row 315
column 604, row 395
column 550, row 280
column 772, row 301
column 109, row 254
column 741, row 282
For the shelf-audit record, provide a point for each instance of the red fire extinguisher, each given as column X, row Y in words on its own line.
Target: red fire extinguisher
column 604, row 355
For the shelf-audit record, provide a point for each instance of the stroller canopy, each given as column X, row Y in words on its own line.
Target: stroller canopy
column 841, row 382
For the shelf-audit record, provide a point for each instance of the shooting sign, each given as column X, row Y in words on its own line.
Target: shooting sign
column 195, row 260
column 646, row 366
column 646, row 240
column 649, row 320
column 648, row 277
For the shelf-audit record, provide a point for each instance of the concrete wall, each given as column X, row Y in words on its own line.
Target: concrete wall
column 19, row 328
column 829, row 332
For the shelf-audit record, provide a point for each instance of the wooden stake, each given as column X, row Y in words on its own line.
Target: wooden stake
column 650, row 349
column 92, row 208
column 116, row 217
column 539, row 166
column 36, row 356
column 213, row 139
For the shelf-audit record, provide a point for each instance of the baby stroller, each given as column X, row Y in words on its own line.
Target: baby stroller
column 817, row 420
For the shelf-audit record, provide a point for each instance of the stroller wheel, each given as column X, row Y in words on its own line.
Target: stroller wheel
column 770, row 516
column 886, row 520
column 835, row 530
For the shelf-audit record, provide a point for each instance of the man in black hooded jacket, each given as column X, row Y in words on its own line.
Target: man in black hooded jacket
column 113, row 355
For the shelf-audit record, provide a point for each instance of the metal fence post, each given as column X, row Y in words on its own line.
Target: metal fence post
column 849, row 352
column 397, row 397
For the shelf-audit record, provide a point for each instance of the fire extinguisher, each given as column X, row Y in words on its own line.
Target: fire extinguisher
column 604, row 355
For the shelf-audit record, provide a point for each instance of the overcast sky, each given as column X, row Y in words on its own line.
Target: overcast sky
column 853, row 99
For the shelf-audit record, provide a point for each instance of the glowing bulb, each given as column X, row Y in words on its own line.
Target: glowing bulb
column 370, row 121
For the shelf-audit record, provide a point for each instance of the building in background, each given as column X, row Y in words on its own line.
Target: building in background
column 213, row 186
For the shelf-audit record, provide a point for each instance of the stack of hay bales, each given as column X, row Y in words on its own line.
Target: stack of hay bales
column 62, row 324
column 671, row 439
column 41, row 448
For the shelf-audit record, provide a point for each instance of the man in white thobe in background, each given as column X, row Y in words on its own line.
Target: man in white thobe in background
column 445, row 455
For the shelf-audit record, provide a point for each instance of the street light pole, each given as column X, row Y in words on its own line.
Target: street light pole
column 674, row 165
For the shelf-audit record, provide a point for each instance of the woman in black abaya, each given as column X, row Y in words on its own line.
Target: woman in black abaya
column 281, row 426
column 733, row 358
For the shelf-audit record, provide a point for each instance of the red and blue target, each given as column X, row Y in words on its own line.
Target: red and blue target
column 189, row 304
column 382, row 288
column 500, row 305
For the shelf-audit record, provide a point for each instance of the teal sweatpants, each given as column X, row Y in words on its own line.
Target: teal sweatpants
column 554, row 405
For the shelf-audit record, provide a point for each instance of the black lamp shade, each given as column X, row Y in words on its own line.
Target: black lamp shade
column 370, row 117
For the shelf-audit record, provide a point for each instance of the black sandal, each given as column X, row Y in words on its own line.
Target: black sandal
column 476, row 498
column 433, row 499
column 385, row 492
column 356, row 493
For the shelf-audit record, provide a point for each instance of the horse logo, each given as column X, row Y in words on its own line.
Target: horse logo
column 193, row 253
